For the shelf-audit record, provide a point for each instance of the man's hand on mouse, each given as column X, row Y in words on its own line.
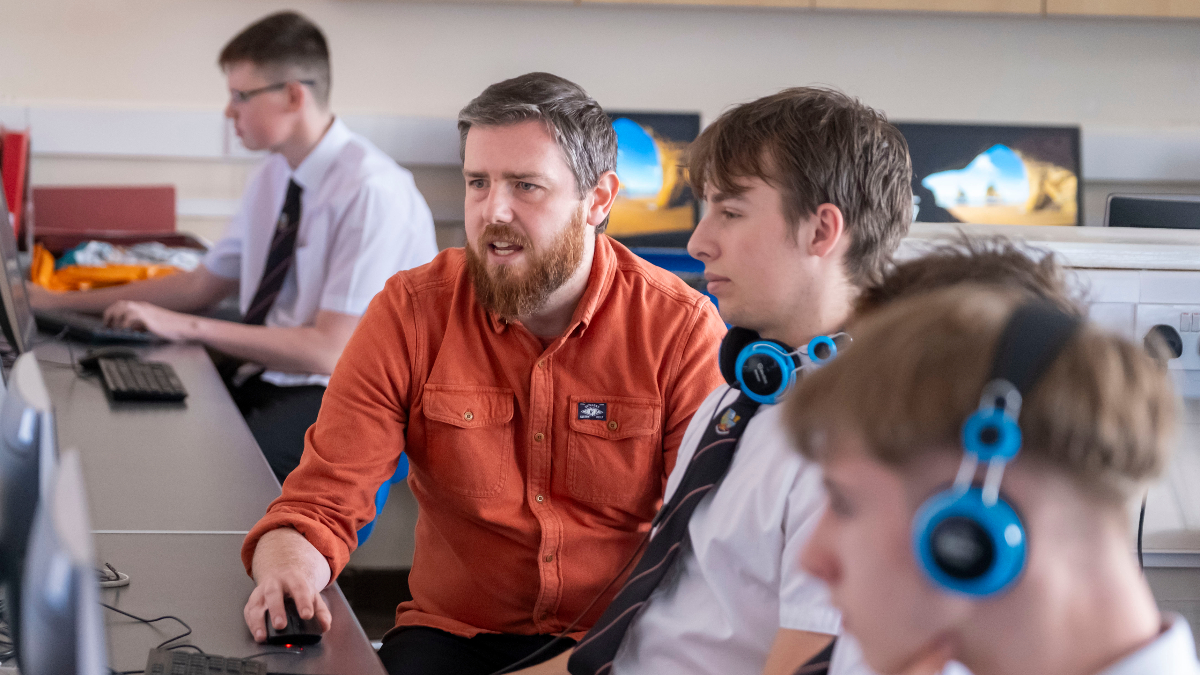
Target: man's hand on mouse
column 285, row 564
column 164, row 323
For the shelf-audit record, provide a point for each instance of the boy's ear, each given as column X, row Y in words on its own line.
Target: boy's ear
column 829, row 226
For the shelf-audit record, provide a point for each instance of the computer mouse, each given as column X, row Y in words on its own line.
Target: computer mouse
column 91, row 360
column 297, row 632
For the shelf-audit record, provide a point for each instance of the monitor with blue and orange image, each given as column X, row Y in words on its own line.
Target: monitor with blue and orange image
column 995, row 174
column 655, row 206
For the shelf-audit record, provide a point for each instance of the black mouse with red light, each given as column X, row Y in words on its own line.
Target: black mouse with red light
column 299, row 632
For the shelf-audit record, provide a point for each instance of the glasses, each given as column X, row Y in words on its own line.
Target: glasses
column 239, row 96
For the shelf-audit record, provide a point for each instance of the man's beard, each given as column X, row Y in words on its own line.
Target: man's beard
column 512, row 293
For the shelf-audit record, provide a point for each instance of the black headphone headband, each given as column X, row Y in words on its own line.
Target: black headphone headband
column 1034, row 336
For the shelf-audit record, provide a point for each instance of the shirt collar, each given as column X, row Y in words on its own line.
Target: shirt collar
column 604, row 265
column 320, row 158
column 1172, row 652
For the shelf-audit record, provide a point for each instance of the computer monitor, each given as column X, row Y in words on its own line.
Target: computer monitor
column 655, row 205
column 995, row 174
column 62, row 631
column 28, row 454
column 1165, row 211
column 16, row 317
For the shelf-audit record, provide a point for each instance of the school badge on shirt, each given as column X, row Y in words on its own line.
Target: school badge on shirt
column 728, row 421
column 593, row 411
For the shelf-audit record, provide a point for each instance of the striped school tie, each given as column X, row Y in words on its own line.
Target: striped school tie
column 594, row 654
column 279, row 258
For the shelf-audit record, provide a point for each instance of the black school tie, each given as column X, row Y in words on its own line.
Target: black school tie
column 594, row 654
column 279, row 258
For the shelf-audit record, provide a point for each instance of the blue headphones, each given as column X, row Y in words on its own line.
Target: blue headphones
column 766, row 369
column 968, row 539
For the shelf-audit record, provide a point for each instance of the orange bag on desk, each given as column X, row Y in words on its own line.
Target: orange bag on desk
column 81, row 278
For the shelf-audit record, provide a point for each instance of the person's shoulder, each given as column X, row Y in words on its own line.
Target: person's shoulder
column 439, row 276
column 373, row 163
column 662, row 289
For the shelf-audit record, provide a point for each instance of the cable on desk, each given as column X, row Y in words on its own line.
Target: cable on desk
column 150, row 621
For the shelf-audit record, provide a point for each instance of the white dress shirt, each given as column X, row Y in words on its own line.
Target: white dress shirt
column 738, row 579
column 361, row 221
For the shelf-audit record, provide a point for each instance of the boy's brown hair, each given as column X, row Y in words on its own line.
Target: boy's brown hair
column 816, row 146
column 1103, row 413
column 284, row 40
column 997, row 261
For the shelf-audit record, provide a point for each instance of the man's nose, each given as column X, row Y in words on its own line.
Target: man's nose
column 818, row 557
column 497, row 207
column 701, row 245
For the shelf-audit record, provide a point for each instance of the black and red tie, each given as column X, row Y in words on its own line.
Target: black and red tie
column 279, row 258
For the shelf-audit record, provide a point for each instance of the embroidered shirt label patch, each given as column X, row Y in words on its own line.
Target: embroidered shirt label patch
column 593, row 411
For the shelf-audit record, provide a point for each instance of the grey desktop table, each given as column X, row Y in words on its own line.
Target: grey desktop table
column 161, row 467
column 199, row 578
column 172, row 489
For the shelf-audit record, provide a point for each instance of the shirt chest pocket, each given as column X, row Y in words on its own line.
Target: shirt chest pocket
column 614, row 452
column 469, row 438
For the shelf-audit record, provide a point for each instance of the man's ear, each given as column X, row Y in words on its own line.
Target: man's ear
column 829, row 227
column 296, row 95
column 603, row 196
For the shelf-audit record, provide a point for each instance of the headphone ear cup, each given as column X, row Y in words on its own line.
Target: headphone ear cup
column 766, row 370
column 735, row 340
column 968, row 547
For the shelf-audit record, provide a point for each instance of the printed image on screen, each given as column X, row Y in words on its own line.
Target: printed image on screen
column 655, row 205
column 994, row 175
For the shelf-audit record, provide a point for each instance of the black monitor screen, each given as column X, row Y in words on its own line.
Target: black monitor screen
column 995, row 175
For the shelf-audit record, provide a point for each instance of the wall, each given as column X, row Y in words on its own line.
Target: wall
column 429, row 59
column 1132, row 84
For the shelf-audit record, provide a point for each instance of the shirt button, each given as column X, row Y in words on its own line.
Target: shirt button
column 540, row 499
column 549, row 558
column 542, row 363
column 468, row 416
column 539, row 437
column 612, row 426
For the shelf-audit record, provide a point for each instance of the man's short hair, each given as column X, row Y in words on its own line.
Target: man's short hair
column 578, row 123
column 997, row 261
column 816, row 146
column 1102, row 414
column 286, row 42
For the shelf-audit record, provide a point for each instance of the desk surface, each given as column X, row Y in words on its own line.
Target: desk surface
column 191, row 466
column 199, row 578
column 172, row 489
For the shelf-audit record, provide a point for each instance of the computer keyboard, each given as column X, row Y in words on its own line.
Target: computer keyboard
column 134, row 380
column 176, row 662
column 89, row 328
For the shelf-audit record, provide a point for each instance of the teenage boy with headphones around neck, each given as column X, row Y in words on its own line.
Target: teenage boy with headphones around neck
column 808, row 192
column 1042, row 579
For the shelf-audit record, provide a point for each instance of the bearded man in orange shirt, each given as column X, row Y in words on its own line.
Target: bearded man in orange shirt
column 540, row 380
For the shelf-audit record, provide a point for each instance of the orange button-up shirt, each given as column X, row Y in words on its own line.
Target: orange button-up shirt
column 537, row 469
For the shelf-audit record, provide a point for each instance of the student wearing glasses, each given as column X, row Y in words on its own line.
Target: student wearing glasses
column 324, row 222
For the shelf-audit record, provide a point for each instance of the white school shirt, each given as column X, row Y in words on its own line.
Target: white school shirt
column 361, row 221
column 738, row 579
